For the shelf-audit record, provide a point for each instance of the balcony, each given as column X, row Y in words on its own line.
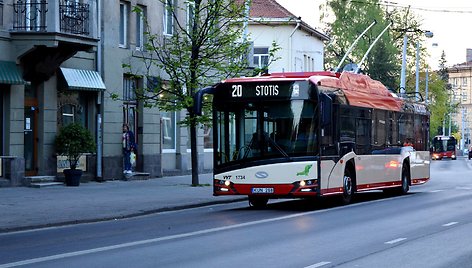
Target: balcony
column 55, row 29
column 40, row 16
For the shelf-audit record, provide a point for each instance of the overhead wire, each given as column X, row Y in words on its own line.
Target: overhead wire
column 426, row 9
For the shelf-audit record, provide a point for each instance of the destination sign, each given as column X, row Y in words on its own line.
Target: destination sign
column 265, row 90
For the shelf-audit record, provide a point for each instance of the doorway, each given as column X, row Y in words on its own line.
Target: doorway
column 31, row 132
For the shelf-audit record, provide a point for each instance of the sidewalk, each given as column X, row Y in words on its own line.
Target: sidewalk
column 24, row 208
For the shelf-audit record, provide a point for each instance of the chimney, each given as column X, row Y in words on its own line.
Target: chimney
column 469, row 55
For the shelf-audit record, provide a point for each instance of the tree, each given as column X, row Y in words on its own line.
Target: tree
column 350, row 18
column 443, row 74
column 194, row 53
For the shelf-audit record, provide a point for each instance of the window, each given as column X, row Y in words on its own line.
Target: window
column 379, row 128
column 168, row 18
column 190, row 16
column 309, row 63
column 168, row 130
column 261, row 57
column 72, row 108
column 464, row 81
column 129, row 88
column 207, row 137
column 124, row 10
column 1, row 123
column 130, row 104
column 140, row 38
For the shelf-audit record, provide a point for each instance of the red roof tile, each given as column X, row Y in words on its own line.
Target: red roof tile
column 268, row 9
column 271, row 9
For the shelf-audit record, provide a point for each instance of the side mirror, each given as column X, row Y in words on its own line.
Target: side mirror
column 326, row 109
column 198, row 99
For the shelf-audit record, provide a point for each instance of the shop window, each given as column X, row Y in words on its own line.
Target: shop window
column 168, row 130
column 207, row 137
column 72, row 108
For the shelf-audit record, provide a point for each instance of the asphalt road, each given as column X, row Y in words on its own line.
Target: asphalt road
column 429, row 227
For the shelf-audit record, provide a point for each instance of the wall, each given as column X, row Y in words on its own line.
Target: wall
column 301, row 43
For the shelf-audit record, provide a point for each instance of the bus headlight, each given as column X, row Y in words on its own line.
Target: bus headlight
column 308, row 183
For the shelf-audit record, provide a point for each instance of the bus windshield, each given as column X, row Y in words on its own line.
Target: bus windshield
column 444, row 144
column 267, row 129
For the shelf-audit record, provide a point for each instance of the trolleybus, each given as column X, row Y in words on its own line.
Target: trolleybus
column 444, row 147
column 296, row 135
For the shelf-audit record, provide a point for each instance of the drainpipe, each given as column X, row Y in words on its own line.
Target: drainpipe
column 100, row 97
column 290, row 54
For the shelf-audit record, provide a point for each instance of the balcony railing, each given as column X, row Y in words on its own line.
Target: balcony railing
column 31, row 15
column 74, row 17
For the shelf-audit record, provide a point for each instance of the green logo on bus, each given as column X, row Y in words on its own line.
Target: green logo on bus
column 306, row 171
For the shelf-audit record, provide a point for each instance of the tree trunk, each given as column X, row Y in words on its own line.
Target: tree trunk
column 193, row 147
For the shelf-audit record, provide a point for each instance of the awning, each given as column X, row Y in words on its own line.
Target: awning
column 10, row 74
column 78, row 79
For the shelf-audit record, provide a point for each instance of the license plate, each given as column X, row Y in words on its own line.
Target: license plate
column 262, row 190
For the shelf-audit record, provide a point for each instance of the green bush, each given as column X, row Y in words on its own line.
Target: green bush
column 72, row 141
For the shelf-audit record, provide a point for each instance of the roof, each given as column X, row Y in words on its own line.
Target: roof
column 269, row 9
column 271, row 12
column 361, row 90
column 78, row 79
column 10, row 73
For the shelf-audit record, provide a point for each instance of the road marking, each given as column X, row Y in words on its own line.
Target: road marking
column 395, row 241
column 450, row 224
column 316, row 265
column 436, row 191
column 463, row 188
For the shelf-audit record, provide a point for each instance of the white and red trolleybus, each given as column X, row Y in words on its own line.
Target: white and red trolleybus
column 289, row 135
column 444, row 147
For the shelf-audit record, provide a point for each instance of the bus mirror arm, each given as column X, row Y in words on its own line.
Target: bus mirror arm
column 198, row 99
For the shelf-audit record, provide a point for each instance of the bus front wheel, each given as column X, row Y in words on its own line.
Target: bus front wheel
column 258, row 201
column 348, row 187
column 405, row 182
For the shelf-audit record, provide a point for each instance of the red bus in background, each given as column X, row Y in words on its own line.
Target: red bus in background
column 444, row 147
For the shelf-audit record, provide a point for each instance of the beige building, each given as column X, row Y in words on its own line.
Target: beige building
column 460, row 78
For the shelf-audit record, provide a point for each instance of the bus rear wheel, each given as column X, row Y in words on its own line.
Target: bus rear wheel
column 258, row 201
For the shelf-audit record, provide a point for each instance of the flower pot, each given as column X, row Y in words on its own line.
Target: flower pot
column 72, row 177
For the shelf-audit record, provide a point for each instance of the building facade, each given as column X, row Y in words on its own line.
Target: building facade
column 44, row 45
column 301, row 47
column 460, row 78
column 63, row 61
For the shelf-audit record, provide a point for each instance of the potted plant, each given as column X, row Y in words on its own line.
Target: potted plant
column 72, row 141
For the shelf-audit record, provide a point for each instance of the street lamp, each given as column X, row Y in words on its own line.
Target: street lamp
column 428, row 34
column 427, row 78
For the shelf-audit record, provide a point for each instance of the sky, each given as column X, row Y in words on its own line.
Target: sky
column 449, row 21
